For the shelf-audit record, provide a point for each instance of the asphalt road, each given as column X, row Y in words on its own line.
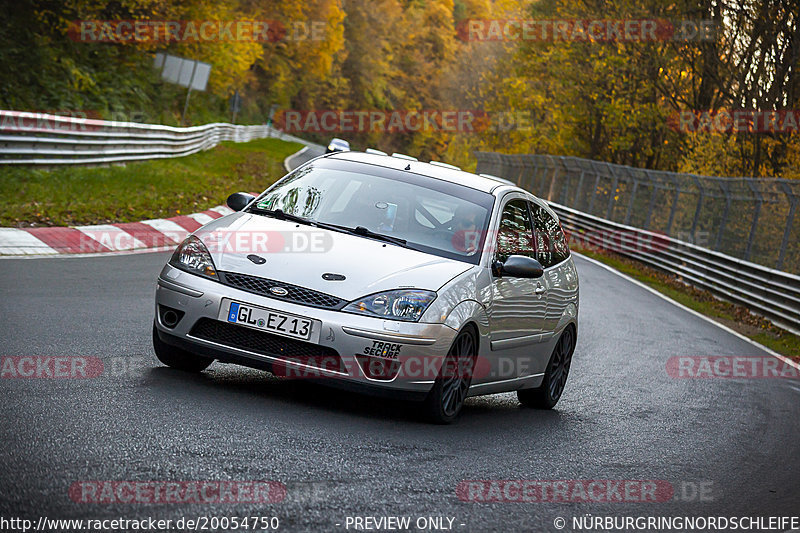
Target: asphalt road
column 340, row 454
column 303, row 156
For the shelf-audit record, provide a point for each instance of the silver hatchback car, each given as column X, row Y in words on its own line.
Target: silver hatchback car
column 379, row 274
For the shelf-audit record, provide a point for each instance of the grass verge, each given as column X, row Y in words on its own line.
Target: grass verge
column 736, row 317
column 71, row 196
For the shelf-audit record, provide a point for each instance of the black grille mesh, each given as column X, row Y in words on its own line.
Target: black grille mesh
column 268, row 344
column 295, row 294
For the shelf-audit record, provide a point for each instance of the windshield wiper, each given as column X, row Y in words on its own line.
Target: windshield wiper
column 281, row 215
column 358, row 230
column 366, row 232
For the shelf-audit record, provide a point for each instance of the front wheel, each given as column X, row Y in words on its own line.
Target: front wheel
column 547, row 395
column 444, row 402
column 174, row 357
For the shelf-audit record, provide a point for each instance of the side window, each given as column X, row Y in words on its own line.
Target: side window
column 551, row 244
column 514, row 236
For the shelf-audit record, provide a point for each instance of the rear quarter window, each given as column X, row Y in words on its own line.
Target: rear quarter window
column 551, row 243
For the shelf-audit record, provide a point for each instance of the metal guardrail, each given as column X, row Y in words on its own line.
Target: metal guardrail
column 754, row 219
column 44, row 139
column 291, row 138
column 772, row 293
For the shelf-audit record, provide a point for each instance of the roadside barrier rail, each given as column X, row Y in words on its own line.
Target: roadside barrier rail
column 599, row 192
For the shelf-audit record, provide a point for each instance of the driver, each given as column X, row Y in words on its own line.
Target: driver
column 465, row 228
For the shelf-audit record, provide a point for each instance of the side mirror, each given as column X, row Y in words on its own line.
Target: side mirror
column 518, row 266
column 239, row 200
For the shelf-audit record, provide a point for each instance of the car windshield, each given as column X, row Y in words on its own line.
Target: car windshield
column 430, row 215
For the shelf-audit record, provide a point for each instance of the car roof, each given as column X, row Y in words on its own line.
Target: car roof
column 468, row 179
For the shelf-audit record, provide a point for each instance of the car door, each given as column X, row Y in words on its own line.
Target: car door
column 518, row 306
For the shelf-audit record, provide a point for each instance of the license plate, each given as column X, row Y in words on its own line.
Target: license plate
column 268, row 320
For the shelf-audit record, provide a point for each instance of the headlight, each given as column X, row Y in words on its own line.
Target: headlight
column 403, row 304
column 192, row 256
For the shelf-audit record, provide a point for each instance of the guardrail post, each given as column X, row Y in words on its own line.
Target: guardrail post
column 725, row 212
column 594, row 190
column 652, row 203
column 479, row 156
column 543, row 177
column 483, row 162
column 520, row 162
column 699, row 205
column 612, row 191
column 495, row 165
column 565, row 185
column 508, row 167
column 513, row 172
column 756, row 212
column 578, row 189
column 552, row 179
column 527, row 171
column 789, row 220
column 635, row 181
column 674, row 207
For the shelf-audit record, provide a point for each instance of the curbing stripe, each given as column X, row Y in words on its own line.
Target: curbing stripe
column 222, row 210
column 186, row 222
column 146, row 234
column 15, row 241
column 67, row 240
column 169, row 228
column 201, row 218
column 112, row 237
column 158, row 234
column 212, row 213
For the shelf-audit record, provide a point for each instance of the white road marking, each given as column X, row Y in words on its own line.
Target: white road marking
column 286, row 164
column 169, row 248
column 692, row 311
column 15, row 241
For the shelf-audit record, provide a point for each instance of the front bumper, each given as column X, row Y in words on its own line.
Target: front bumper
column 413, row 351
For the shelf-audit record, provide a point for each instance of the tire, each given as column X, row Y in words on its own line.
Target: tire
column 444, row 402
column 174, row 357
column 547, row 395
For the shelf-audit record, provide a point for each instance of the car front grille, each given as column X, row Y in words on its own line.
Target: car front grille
column 260, row 342
column 294, row 294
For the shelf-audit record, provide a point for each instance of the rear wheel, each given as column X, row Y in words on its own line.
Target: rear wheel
column 174, row 357
column 444, row 402
column 547, row 395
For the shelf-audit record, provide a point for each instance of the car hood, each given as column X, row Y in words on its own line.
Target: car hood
column 300, row 255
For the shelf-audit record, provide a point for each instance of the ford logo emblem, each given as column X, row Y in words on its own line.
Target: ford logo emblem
column 278, row 291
